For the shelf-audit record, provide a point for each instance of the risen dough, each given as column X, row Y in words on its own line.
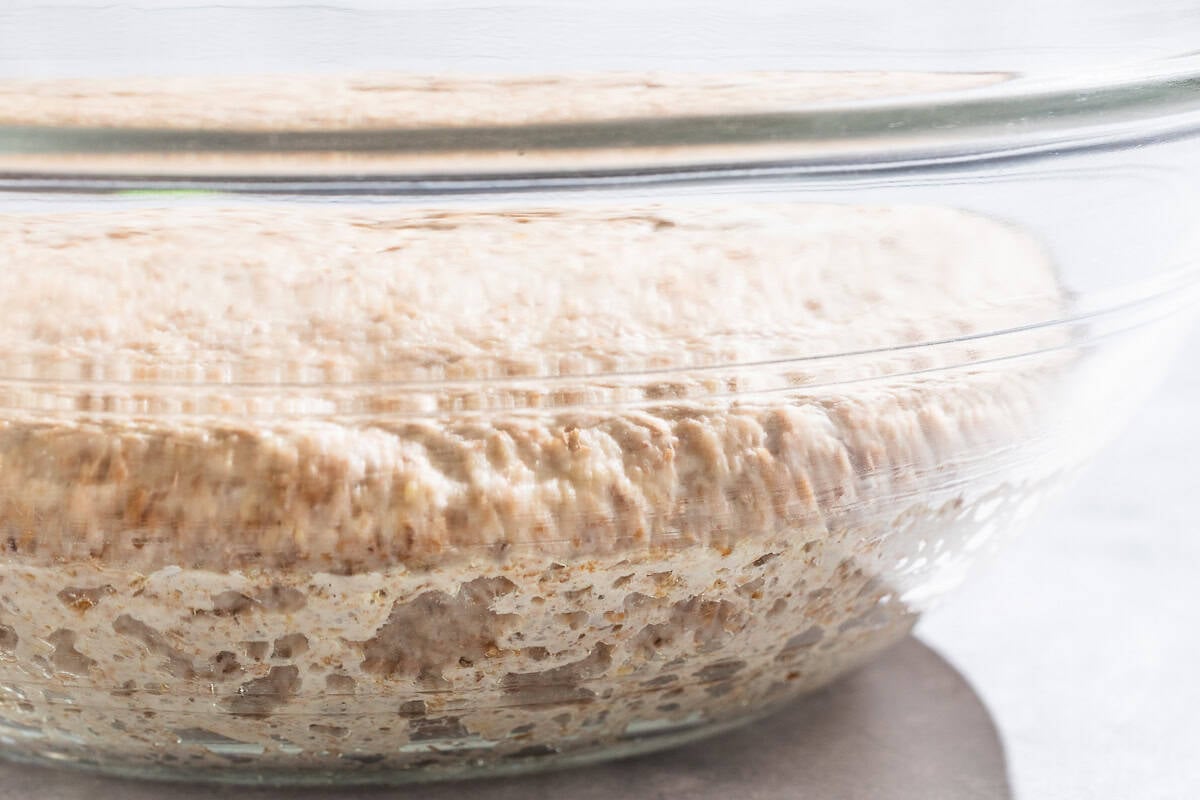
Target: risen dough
column 361, row 488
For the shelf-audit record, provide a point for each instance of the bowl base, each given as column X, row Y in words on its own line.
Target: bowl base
column 251, row 775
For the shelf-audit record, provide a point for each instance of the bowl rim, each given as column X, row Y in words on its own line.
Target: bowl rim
column 1011, row 119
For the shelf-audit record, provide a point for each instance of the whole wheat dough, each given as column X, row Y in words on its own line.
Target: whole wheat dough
column 372, row 487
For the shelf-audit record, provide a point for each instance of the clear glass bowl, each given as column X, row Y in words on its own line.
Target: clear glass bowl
column 418, row 391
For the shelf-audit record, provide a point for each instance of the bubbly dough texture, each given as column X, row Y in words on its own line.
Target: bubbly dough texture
column 362, row 489
column 588, row 464
column 290, row 295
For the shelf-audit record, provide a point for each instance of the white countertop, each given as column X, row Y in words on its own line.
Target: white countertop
column 1074, row 673
column 1083, row 638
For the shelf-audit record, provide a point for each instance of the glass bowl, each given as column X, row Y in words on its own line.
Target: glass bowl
column 411, row 391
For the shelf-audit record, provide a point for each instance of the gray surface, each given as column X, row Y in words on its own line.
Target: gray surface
column 1081, row 641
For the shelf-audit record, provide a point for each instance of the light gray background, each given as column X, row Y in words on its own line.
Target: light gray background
column 1067, row 670
column 1083, row 639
